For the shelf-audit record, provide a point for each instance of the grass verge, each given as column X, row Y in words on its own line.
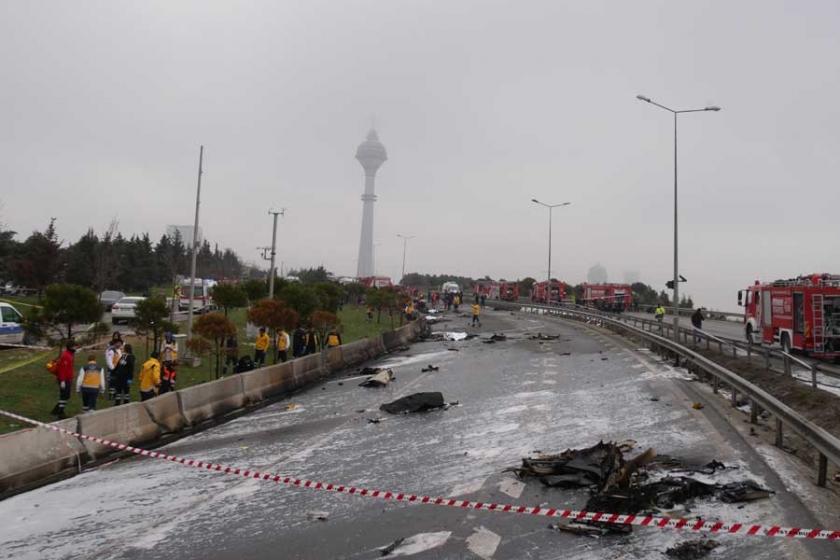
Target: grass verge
column 27, row 388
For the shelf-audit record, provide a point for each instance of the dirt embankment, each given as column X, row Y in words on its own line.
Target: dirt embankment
column 820, row 407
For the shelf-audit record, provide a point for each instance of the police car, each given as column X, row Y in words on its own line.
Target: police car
column 11, row 327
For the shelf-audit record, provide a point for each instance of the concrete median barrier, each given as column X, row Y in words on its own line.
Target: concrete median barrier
column 307, row 369
column 333, row 360
column 355, row 353
column 267, row 382
column 33, row 454
column 128, row 423
column 165, row 411
column 205, row 401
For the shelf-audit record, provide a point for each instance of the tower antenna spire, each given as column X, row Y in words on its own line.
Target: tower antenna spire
column 371, row 155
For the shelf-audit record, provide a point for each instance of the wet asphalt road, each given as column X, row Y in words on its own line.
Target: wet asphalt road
column 515, row 397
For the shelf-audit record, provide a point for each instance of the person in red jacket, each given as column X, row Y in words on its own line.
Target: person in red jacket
column 65, row 373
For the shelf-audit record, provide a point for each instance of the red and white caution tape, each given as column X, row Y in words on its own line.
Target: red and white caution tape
column 693, row 525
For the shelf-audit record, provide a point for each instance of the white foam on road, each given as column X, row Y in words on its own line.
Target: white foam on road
column 483, row 543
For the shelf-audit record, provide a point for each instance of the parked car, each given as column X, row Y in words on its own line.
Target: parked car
column 109, row 297
column 123, row 310
column 11, row 329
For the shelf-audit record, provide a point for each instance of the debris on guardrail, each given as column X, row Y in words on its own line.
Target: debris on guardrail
column 430, row 367
column 416, row 402
column 692, row 550
column 381, row 378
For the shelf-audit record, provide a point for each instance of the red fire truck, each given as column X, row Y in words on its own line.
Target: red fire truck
column 487, row 288
column 509, row 291
column 376, row 282
column 608, row 297
column 802, row 313
column 541, row 293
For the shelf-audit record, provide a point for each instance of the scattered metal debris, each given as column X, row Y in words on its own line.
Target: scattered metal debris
column 379, row 379
column 619, row 485
column 691, row 550
column 497, row 337
column 453, row 349
column 430, row 367
column 541, row 336
column 317, row 515
column 375, row 420
column 698, row 406
column 416, row 402
column 576, row 528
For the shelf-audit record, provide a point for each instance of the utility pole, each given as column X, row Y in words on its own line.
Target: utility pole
column 405, row 239
column 271, row 274
column 195, row 242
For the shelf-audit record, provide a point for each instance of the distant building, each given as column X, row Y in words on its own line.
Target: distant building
column 186, row 233
column 597, row 275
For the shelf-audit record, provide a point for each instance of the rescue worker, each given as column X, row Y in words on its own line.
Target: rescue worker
column 167, row 377
column 231, row 354
column 260, row 347
column 150, row 377
column 283, row 343
column 333, row 338
column 311, row 341
column 112, row 359
column 64, row 376
column 90, row 383
column 476, row 311
column 298, row 342
column 169, row 349
column 456, row 301
column 659, row 313
column 409, row 311
column 369, row 314
column 124, row 376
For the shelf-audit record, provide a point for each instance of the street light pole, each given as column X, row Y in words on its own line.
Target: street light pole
column 676, row 113
column 405, row 239
column 550, row 207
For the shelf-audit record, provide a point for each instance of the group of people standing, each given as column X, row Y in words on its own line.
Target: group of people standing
column 301, row 342
column 114, row 379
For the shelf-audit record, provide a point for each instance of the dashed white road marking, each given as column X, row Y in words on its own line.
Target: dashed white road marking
column 421, row 543
column 483, row 543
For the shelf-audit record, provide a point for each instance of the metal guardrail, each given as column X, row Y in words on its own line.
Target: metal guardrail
column 826, row 444
column 686, row 312
column 786, row 359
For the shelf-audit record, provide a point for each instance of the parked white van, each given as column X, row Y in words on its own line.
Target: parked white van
column 11, row 327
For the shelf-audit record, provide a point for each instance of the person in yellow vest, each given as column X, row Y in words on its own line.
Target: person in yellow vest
column 90, row 383
column 260, row 347
column 476, row 311
column 150, row 377
column 333, row 339
column 283, row 343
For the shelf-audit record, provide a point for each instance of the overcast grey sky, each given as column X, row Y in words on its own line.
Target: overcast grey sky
column 481, row 105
